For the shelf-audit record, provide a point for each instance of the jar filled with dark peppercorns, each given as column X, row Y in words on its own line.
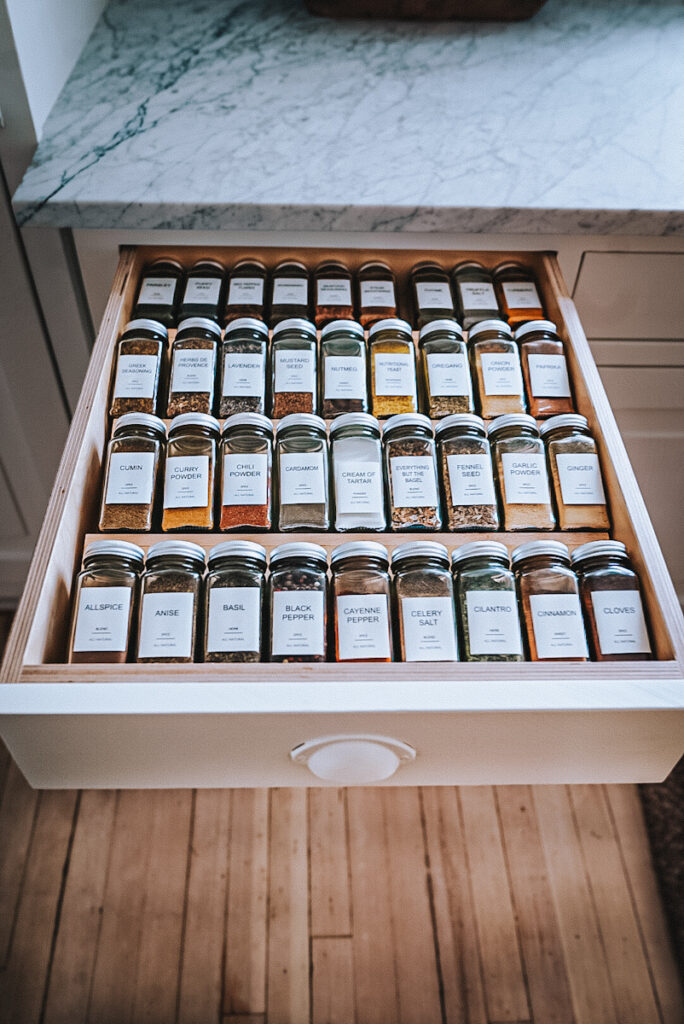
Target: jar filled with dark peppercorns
column 297, row 596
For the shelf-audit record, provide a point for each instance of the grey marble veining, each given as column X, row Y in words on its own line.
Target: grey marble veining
column 254, row 114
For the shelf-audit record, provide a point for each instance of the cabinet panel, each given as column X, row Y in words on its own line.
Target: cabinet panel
column 631, row 295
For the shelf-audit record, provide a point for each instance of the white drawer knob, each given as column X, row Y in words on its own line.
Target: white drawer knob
column 353, row 760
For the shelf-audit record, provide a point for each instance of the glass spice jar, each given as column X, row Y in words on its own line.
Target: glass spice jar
column 411, row 463
column 516, row 289
column 576, row 473
column 193, row 367
column 246, row 457
column 343, row 382
column 132, row 466
column 496, row 369
column 333, row 293
column 170, row 596
column 549, row 597
column 521, row 473
column 474, row 293
column 104, row 603
column 611, row 599
column 377, row 293
column 361, row 602
column 246, row 291
column 233, row 602
column 243, row 367
column 297, row 596
column 203, row 291
column 487, row 602
column 467, row 474
column 447, row 387
column 159, row 292
column 393, row 368
column 356, row 454
column 289, row 292
column 139, row 354
column 424, row 602
column 431, row 293
column 189, row 472
column 302, row 473
column 293, row 368
column 544, row 368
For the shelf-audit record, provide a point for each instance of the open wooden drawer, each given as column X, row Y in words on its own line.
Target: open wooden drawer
column 217, row 725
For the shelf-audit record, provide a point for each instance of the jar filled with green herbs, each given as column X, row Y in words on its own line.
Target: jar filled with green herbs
column 487, row 602
column 447, row 386
column 233, row 602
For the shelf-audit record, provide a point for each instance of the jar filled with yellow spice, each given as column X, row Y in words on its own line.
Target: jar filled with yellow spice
column 393, row 368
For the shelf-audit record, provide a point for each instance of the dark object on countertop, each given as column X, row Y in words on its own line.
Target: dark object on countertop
column 428, row 10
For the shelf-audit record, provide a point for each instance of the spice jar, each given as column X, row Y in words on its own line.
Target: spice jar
column 517, row 292
column 333, row 293
column 467, row 474
column 611, row 599
column 139, row 355
column 246, row 456
column 544, row 368
column 159, row 292
column 246, row 285
column 549, row 597
column 412, row 473
column 447, row 387
column 576, row 473
column 203, row 287
column 343, row 360
column 302, row 468
column 487, row 602
column 393, row 368
column 170, row 594
column 290, row 292
column 424, row 602
column 233, row 602
column 496, row 366
column 243, row 367
column 189, row 472
column 356, row 453
column 293, row 367
column 521, row 474
column 131, row 470
column 104, row 603
column 193, row 367
column 361, row 602
column 297, row 589
column 377, row 293
column 474, row 293
column 431, row 293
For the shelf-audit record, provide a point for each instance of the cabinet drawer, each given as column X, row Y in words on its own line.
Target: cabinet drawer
column 218, row 725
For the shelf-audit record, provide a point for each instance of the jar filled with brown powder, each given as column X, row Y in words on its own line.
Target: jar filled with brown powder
column 302, row 474
column 170, row 600
column 104, row 604
column 521, row 473
column 549, row 595
column 576, row 473
column 132, row 464
column 496, row 369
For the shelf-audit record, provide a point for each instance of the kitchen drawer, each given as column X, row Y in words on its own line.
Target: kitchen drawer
column 219, row 725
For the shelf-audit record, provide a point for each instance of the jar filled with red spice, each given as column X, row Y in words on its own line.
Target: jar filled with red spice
column 246, row 291
column 377, row 293
column 246, row 460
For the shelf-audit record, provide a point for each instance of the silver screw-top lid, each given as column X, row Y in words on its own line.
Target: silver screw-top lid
column 354, row 419
column 568, row 419
column 438, row 327
column 350, row 326
column 512, row 419
column 301, row 419
column 489, row 325
column 195, row 419
column 407, row 419
column 247, row 419
column 142, row 324
column 184, row 548
column 295, row 323
column 460, row 419
column 358, row 548
column 596, row 548
column 299, row 549
column 246, row 323
column 119, row 548
column 420, row 549
column 533, row 326
column 199, row 323
column 237, row 549
column 479, row 549
column 539, row 547
column 141, row 419
column 392, row 323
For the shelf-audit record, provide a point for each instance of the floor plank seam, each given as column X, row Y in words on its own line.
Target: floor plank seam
column 101, row 914
column 471, row 891
column 184, row 919
column 431, row 906
column 20, row 887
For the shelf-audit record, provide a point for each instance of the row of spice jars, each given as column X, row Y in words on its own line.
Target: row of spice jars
column 481, row 610
column 493, row 372
column 459, row 477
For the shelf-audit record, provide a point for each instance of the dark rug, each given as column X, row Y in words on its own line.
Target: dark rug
column 664, row 813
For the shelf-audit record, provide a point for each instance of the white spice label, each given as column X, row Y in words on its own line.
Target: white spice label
column 246, row 291
column 135, row 377
column 345, row 377
column 493, row 624
column 448, row 374
column 130, row 480
column 202, row 290
column 525, row 479
column 234, row 619
column 558, row 626
column 549, row 376
column 501, row 374
column 166, row 626
column 394, row 374
column 243, row 375
column 186, row 484
column 429, row 629
column 298, row 623
column 434, row 295
column 294, row 371
column 193, row 370
column 378, row 294
column 290, row 291
column 102, row 619
column 521, row 295
column 302, row 478
column 157, row 291
column 413, row 482
column 620, row 622
column 580, row 479
column 477, row 295
column 363, row 627
column 245, row 479
column 471, row 480
column 333, row 291
column 358, row 487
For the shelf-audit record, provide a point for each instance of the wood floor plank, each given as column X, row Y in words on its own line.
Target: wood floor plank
column 333, row 981
column 201, row 976
column 245, row 966
column 17, row 815
column 542, row 949
column 330, row 896
column 504, row 984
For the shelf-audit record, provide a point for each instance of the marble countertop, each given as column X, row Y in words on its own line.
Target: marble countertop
column 254, row 114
